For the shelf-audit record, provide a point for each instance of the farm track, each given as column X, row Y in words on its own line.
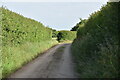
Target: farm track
column 55, row 63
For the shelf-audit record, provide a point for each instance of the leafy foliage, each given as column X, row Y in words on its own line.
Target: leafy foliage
column 14, row 57
column 66, row 35
column 80, row 24
column 96, row 47
column 22, row 40
column 54, row 33
column 17, row 29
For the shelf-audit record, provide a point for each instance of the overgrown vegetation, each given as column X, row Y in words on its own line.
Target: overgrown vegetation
column 15, row 57
column 17, row 29
column 22, row 40
column 0, row 45
column 96, row 47
column 80, row 24
column 54, row 33
column 66, row 36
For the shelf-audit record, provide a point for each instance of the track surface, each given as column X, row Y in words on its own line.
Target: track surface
column 55, row 63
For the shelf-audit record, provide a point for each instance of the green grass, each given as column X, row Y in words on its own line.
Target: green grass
column 66, row 41
column 15, row 57
column 0, row 64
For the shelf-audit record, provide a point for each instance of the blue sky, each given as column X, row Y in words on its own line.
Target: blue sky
column 57, row 15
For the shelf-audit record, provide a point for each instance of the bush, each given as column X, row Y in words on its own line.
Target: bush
column 22, row 40
column 54, row 33
column 80, row 24
column 66, row 35
column 96, row 47
column 17, row 29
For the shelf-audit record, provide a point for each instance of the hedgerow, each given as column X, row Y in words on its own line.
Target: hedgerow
column 54, row 33
column 96, row 47
column 66, row 35
column 22, row 40
column 17, row 29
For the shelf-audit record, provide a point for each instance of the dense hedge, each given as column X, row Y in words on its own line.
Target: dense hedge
column 96, row 47
column 66, row 35
column 54, row 33
column 22, row 40
column 17, row 29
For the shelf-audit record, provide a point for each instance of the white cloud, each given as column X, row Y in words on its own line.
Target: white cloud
column 56, row 0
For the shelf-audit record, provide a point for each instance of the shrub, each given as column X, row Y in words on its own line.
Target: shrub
column 66, row 35
column 96, row 47
column 22, row 40
column 17, row 29
column 80, row 24
column 54, row 33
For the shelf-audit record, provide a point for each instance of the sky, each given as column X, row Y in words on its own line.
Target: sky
column 56, row 0
column 56, row 14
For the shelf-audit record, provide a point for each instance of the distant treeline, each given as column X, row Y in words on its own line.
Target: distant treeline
column 96, row 47
column 63, row 35
column 66, row 35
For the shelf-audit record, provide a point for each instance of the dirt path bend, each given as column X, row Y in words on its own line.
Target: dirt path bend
column 55, row 63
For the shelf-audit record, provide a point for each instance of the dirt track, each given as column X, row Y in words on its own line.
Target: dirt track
column 55, row 63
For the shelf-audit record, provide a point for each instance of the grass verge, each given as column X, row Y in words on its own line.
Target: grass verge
column 66, row 41
column 15, row 57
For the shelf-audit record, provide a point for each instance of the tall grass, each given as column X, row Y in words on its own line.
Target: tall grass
column 96, row 47
column 14, row 57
